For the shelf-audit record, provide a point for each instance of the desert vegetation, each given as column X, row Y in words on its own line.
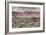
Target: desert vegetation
column 26, row 21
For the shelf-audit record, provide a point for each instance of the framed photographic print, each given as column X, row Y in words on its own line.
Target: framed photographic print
column 25, row 17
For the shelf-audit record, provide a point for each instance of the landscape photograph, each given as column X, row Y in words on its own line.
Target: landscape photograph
column 25, row 17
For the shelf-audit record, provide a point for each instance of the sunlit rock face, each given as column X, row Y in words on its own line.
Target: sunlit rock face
column 25, row 17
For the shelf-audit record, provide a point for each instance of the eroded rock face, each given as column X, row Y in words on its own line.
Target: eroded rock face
column 26, row 14
column 25, row 19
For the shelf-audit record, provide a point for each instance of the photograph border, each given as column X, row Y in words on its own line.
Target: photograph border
column 7, row 17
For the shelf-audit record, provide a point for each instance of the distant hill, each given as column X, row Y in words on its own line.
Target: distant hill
column 26, row 14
